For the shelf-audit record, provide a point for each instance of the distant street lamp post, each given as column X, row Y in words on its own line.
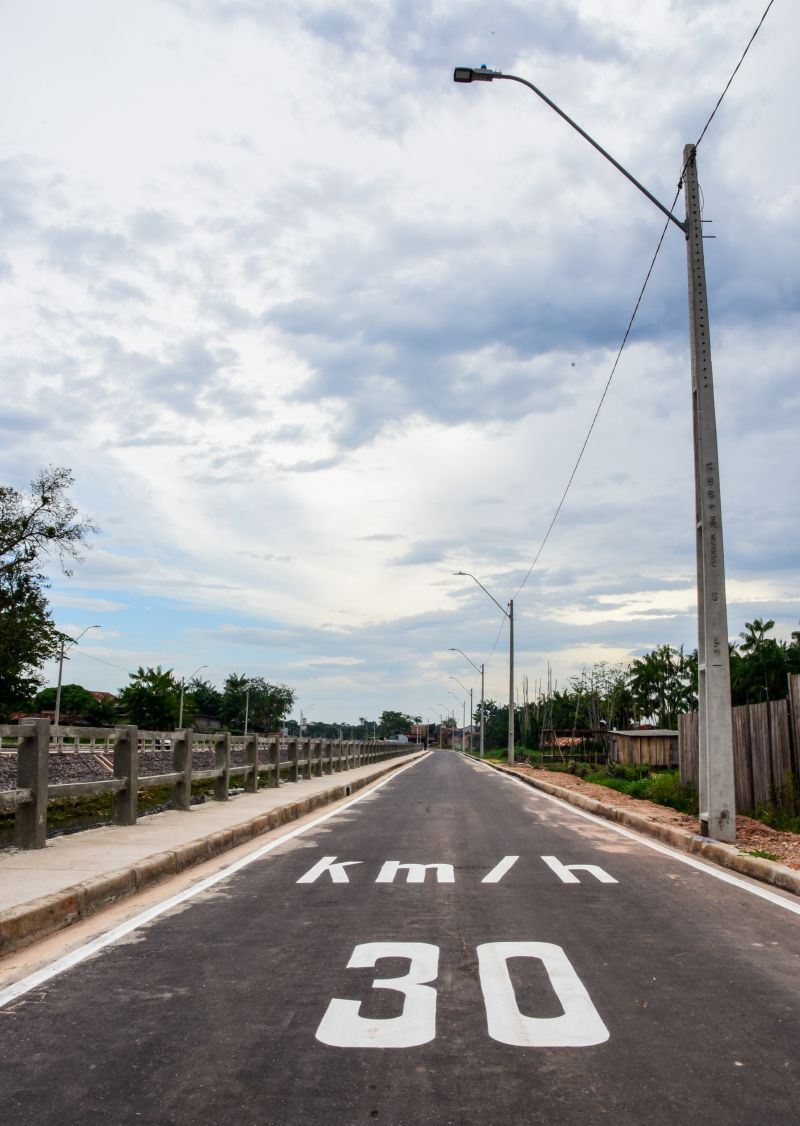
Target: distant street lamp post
column 480, row 670
column 465, row 689
column 463, row 703
column 716, row 778
column 509, row 613
column 183, row 688
column 72, row 641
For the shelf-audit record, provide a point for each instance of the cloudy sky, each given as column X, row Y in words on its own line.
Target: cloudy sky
column 314, row 328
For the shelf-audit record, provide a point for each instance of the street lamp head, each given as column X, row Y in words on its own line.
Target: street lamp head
column 470, row 74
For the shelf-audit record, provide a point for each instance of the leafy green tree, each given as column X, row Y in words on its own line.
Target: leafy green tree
column 33, row 525
column 27, row 638
column 77, row 700
column 207, row 699
column 152, row 699
column 395, row 723
column 268, row 703
column 760, row 664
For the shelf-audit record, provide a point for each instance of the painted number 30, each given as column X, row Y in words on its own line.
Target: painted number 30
column 579, row 1026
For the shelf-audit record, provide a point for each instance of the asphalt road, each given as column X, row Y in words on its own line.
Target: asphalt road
column 640, row 990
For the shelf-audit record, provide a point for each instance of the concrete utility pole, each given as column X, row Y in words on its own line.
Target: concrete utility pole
column 509, row 613
column 453, row 649
column 511, row 681
column 715, row 775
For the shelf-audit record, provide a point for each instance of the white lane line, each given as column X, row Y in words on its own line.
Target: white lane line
column 656, row 846
column 32, row 981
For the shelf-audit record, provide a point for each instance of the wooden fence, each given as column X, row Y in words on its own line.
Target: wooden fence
column 36, row 743
column 766, row 748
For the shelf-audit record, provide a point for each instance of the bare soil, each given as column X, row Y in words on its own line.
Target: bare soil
column 751, row 835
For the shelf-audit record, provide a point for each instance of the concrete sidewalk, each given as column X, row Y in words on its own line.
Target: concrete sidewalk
column 44, row 890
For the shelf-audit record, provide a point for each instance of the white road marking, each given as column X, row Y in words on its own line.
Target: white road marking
column 416, row 873
column 499, row 870
column 683, row 858
column 34, row 980
column 564, row 871
column 335, row 870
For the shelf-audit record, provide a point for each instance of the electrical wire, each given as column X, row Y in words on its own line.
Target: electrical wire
column 733, row 75
column 635, row 311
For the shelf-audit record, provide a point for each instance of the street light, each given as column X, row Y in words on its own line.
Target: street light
column 465, row 689
column 463, row 703
column 453, row 649
column 509, row 613
column 717, row 792
column 183, row 688
column 72, row 641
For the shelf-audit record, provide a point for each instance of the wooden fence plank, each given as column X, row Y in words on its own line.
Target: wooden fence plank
column 688, row 752
column 794, row 712
column 760, row 756
column 780, row 745
column 742, row 760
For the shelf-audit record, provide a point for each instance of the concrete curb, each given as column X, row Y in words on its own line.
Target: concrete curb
column 727, row 856
column 27, row 923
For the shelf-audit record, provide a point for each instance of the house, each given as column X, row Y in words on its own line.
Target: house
column 648, row 746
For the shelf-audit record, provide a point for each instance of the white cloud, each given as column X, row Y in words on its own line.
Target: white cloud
column 314, row 327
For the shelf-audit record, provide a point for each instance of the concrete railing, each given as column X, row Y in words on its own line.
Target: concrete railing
column 37, row 738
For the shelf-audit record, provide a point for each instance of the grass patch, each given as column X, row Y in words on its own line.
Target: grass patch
column 663, row 786
column 761, row 853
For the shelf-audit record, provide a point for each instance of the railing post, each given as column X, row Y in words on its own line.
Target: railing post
column 124, row 807
column 274, row 758
column 30, row 823
column 251, row 758
column 294, row 756
column 182, row 761
column 328, row 746
column 307, row 758
column 222, row 761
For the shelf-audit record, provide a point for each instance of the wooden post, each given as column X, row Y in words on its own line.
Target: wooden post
column 30, row 823
column 222, row 761
column 182, row 761
column 251, row 758
column 126, row 765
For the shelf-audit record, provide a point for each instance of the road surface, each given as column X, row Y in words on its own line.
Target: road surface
column 545, row 968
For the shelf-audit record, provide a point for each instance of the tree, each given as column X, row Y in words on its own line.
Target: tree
column 268, row 703
column 395, row 723
column 207, row 699
column 43, row 522
column 77, row 700
column 27, row 638
column 152, row 699
column 759, row 664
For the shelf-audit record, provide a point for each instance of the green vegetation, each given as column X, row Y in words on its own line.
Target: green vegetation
column 761, row 853
column 32, row 526
column 783, row 812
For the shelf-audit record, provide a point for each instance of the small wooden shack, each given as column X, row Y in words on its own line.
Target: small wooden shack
column 647, row 746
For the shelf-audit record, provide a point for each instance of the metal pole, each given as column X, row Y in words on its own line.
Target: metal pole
column 58, row 690
column 483, row 717
column 470, row 720
column 716, row 778
column 180, row 709
column 247, row 712
column 511, row 682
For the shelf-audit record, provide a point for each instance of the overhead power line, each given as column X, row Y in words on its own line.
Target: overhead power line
column 625, row 338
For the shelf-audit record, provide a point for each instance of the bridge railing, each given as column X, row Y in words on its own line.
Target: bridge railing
column 37, row 740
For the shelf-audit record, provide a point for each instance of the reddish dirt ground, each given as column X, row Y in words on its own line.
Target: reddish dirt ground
column 751, row 835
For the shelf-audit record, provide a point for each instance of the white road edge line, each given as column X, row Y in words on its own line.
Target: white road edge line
column 656, row 846
column 26, row 984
